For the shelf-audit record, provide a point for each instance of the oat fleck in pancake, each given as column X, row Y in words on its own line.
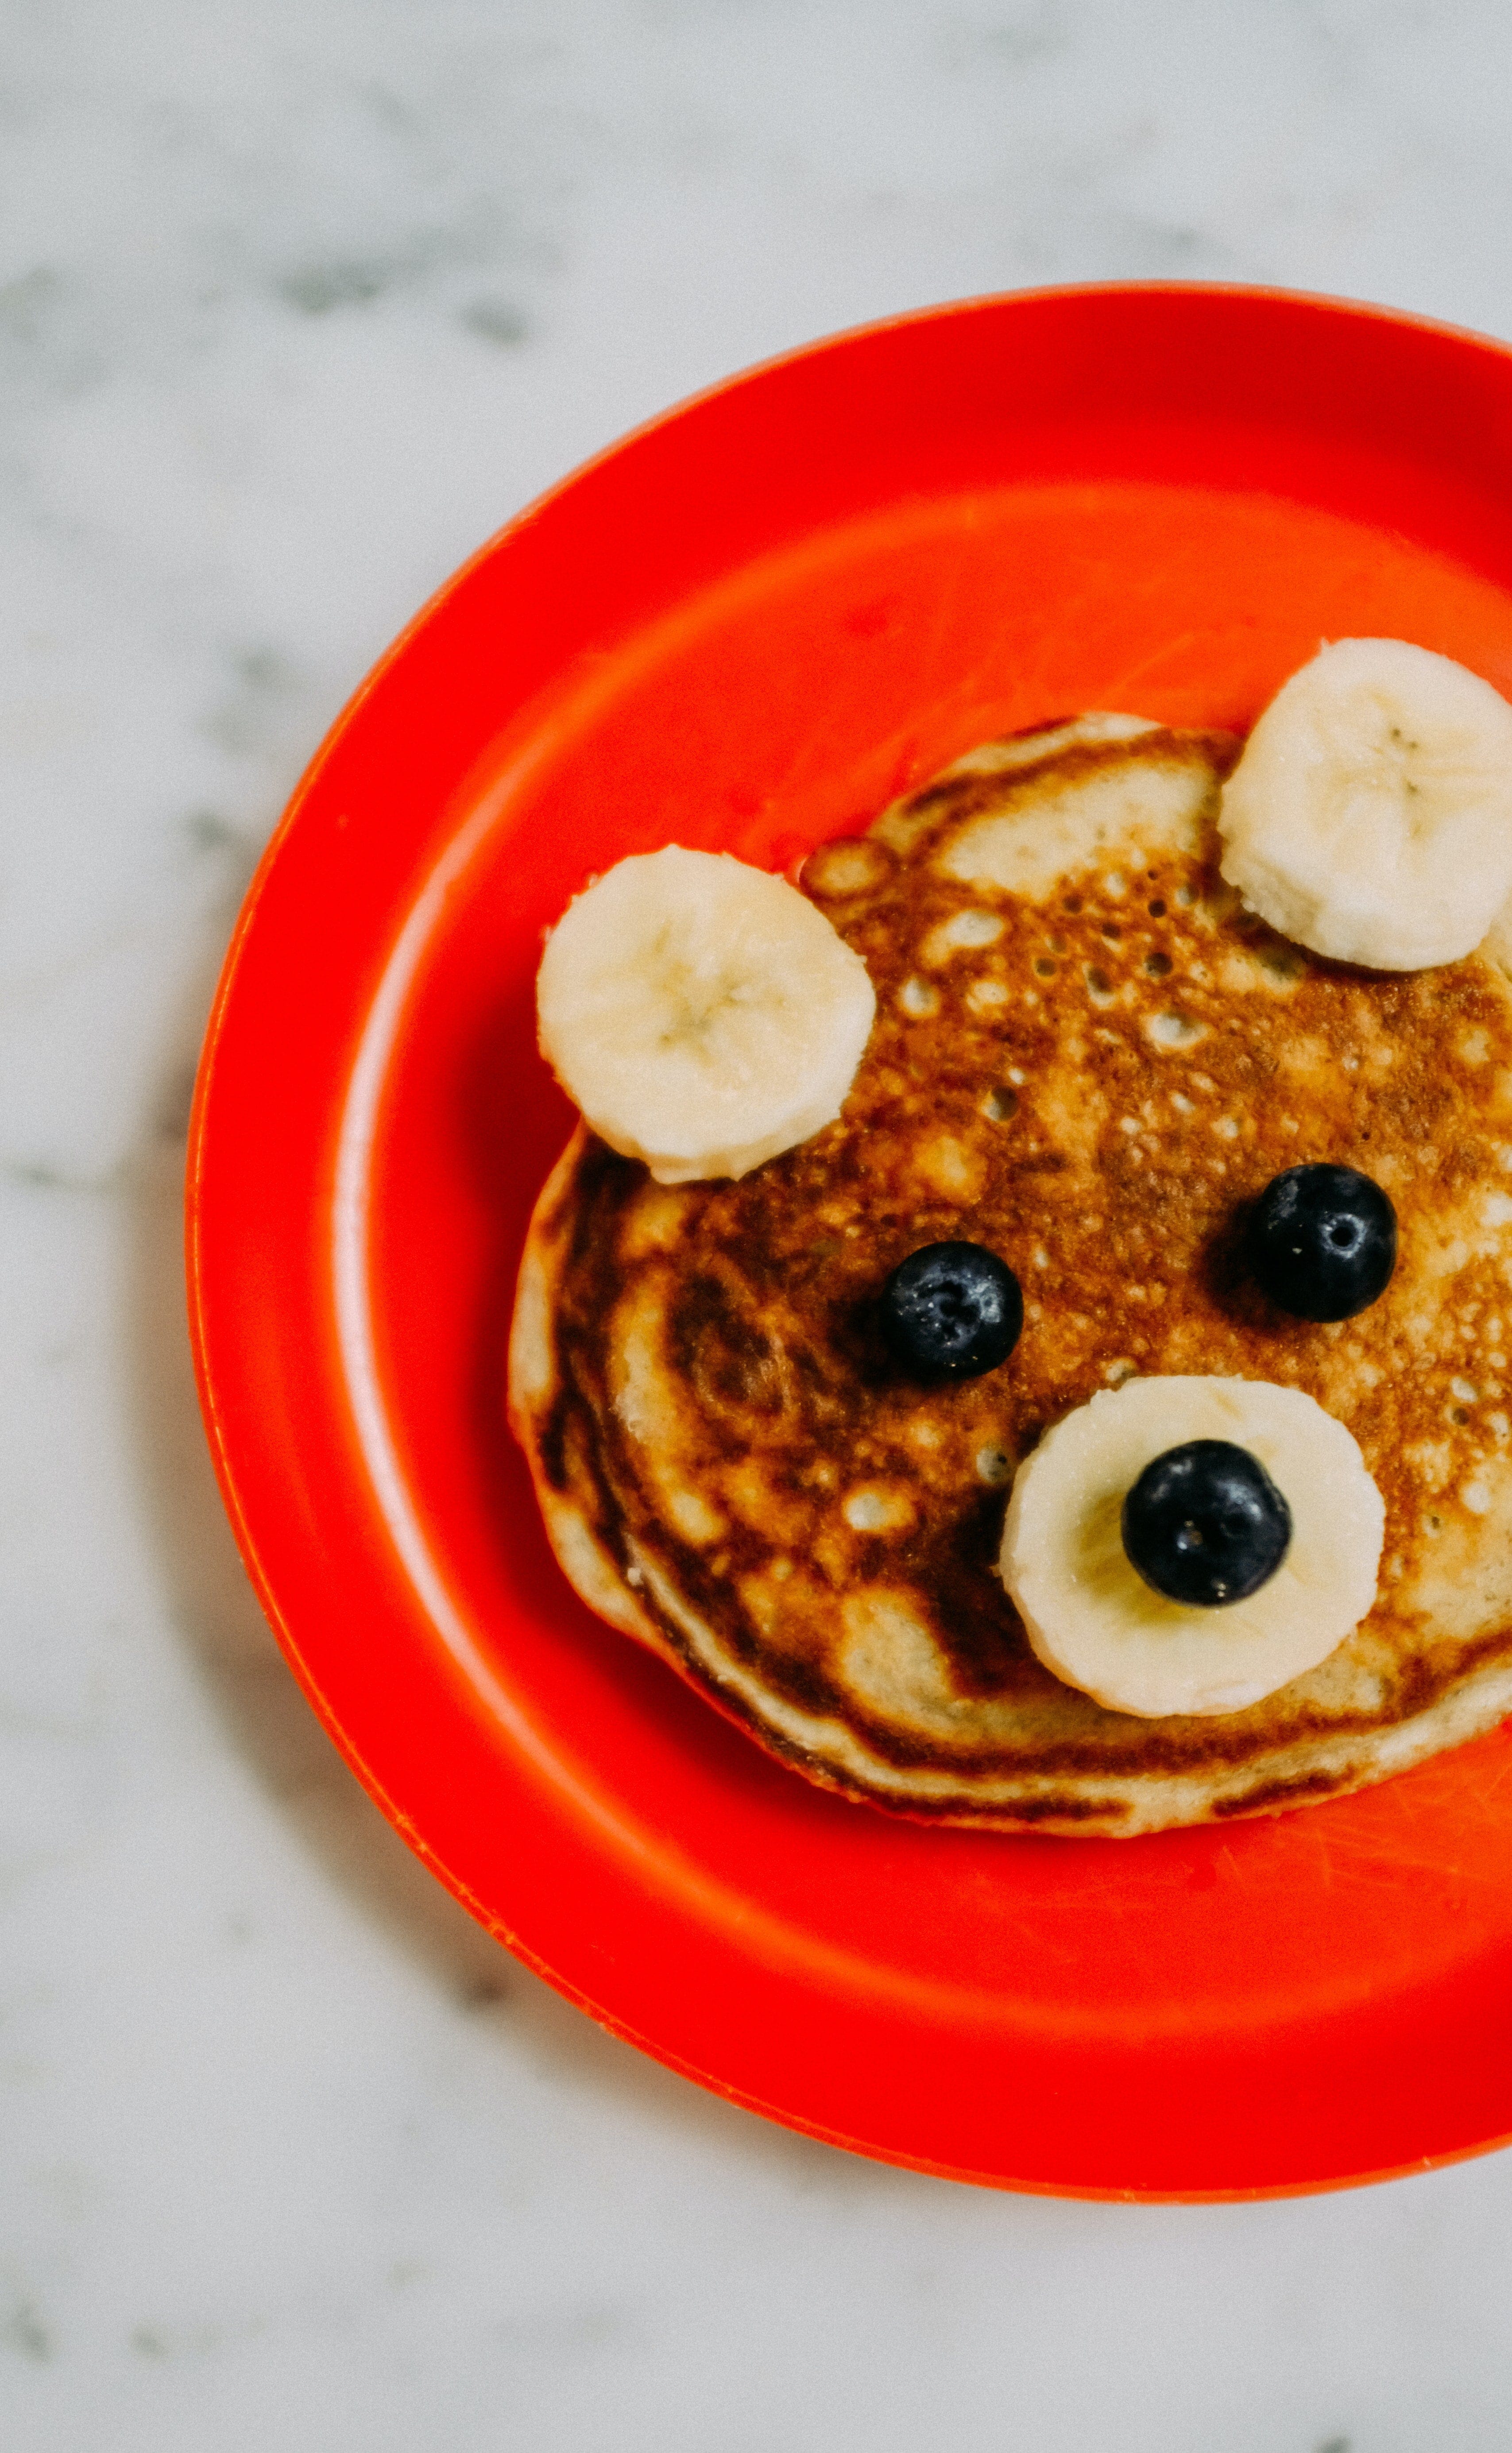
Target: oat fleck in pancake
column 1088, row 1058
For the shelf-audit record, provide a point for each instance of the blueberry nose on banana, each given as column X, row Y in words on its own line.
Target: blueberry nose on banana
column 704, row 1015
column 1205, row 1525
column 1289, row 1520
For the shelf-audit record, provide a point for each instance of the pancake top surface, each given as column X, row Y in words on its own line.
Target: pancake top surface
column 1089, row 1059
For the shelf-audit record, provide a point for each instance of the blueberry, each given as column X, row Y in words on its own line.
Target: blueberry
column 1322, row 1242
column 1204, row 1524
column 951, row 1311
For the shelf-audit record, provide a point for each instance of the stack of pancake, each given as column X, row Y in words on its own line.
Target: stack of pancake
column 1088, row 1057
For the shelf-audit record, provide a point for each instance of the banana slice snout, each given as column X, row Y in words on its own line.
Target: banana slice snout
column 704, row 1015
column 1092, row 1619
column 1370, row 816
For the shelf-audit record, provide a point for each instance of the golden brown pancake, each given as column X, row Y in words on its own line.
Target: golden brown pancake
column 1089, row 1058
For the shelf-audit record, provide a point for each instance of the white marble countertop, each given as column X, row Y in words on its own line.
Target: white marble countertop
column 296, row 306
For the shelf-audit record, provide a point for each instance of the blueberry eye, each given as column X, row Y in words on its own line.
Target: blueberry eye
column 1322, row 1242
column 1205, row 1525
column 951, row 1311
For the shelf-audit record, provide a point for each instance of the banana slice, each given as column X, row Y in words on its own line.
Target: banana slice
column 1095, row 1621
column 704, row 1015
column 1370, row 816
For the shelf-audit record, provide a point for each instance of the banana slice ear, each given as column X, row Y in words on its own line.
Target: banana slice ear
column 1370, row 816
column 704, row 1015
column 1096, row 1625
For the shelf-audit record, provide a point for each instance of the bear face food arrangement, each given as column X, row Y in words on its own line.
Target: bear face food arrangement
column 1024, row 1326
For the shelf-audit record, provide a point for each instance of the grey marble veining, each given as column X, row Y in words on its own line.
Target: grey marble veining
column 295, row 307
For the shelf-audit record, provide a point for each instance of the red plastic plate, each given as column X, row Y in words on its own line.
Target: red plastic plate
column 749, row 626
